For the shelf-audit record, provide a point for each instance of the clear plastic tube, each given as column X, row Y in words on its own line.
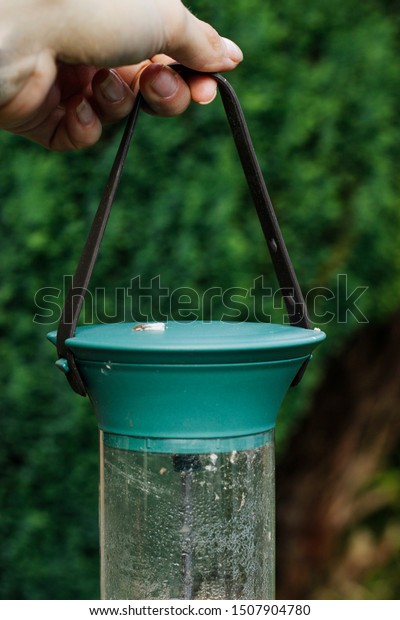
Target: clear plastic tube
column 187, row 526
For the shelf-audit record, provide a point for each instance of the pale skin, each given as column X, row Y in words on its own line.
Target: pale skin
column 69, row 66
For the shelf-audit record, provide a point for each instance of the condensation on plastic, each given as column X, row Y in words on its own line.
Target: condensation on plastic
column 187, row 526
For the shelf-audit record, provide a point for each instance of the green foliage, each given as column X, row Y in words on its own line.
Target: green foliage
column 319, row 87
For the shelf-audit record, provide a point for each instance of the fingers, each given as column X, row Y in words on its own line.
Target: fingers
column 203, row 89
column 165, row 92
column 112, row 97
column 78, row 128
column 67, row 127
column 72, row 115
column 108, row 99
column 82, row 99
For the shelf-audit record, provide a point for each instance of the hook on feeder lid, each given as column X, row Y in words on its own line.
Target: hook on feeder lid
column 62, row 364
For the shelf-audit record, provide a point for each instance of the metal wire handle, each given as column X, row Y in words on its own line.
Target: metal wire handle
column 284, row 270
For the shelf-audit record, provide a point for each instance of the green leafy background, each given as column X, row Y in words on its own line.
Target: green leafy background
column 320, row 88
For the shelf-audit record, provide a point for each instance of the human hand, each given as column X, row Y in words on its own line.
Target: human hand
column 52, row 90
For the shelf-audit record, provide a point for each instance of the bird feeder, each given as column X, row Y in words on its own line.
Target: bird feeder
column 186, row 412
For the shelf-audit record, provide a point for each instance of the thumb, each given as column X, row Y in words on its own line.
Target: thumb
column 198, row 45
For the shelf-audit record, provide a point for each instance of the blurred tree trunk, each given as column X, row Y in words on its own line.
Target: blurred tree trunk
column 325, row 481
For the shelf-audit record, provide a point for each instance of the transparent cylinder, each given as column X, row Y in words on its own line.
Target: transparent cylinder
column 187, row 525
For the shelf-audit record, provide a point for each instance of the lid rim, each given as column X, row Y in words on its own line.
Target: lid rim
column 192, row 342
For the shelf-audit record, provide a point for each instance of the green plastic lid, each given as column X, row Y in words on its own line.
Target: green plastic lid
column 201, row 384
